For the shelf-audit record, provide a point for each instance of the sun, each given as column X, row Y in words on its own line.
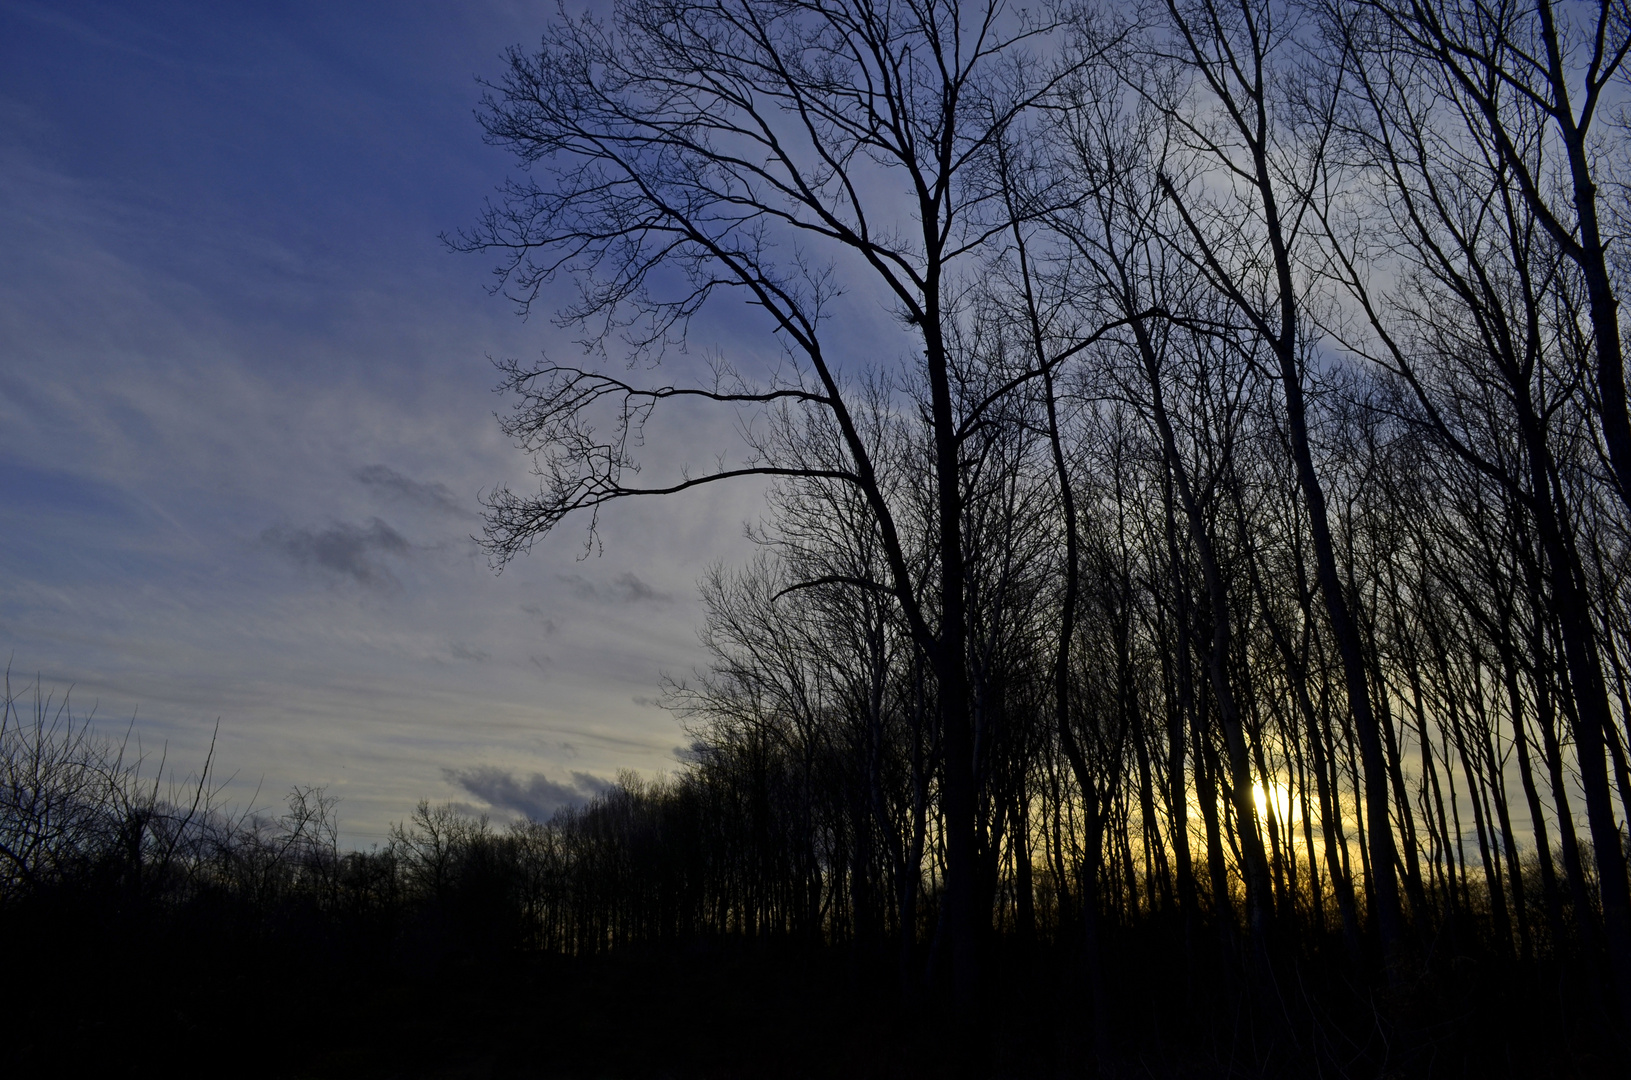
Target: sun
column 1277, row 796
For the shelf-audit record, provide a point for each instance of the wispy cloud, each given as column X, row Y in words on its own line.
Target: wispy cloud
column 435, row 495
column 625, row 588
column 352, row 551
column 461, row 651
column 537, row 612
column 536, row 796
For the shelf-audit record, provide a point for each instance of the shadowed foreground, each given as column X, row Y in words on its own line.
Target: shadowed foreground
column 216, row 991
column 159, row 935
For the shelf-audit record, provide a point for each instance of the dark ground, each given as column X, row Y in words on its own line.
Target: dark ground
column 100, row 991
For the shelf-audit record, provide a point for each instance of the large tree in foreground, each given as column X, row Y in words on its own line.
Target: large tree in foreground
column 786, row 153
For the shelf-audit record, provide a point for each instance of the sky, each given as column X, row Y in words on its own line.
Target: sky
column 246, row 412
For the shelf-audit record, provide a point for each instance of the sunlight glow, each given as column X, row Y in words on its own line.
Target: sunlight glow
column 1277, row 795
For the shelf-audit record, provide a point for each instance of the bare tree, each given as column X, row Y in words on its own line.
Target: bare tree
column 1485, row 338
column 748, row 147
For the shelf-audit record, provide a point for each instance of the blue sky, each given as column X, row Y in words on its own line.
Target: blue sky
column 246, row 409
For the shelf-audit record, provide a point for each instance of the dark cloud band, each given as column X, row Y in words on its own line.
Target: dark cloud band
column 536, row 797
column 437, row 496
column 352, row 551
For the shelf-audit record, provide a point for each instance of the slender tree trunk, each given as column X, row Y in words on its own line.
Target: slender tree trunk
column 1179, row 720
column 950, row 658
column 1537, row 815
column 1259, row 889
column 1592, row 716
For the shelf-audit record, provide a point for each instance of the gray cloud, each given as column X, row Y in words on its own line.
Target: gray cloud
column 696, row 753
column 536, row 797
column 625, row 588
column 461, row 651
column 351, row 550
column 435, row 495
column 538, row 613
